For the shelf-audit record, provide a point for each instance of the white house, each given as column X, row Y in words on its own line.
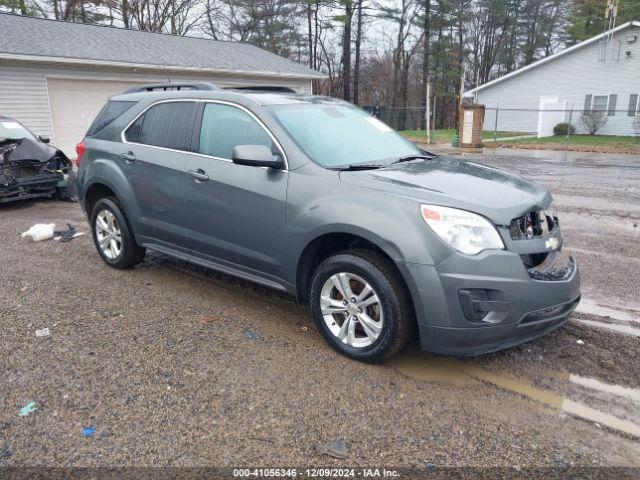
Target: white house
column 55, row 76
column 602, row 73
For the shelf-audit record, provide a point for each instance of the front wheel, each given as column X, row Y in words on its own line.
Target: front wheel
column 361, row 306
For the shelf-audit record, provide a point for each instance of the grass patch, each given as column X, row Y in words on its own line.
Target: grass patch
column 445, row 135
column 586, row 140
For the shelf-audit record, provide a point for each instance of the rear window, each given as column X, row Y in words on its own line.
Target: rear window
column 108, row 114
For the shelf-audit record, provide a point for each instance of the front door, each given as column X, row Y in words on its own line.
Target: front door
column 154, row 158
column 235, row 213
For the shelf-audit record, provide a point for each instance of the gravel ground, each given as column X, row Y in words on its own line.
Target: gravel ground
column 177, row 366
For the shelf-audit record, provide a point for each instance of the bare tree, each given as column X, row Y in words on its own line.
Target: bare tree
column 593, row 120
column 356, row 67
column 346, row 18
column 636, row 125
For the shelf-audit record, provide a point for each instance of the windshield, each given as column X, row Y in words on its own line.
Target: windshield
column 340, row 135
column 13, row 130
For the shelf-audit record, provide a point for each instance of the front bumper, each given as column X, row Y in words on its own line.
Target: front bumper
column 42, row 185
column 520, row 305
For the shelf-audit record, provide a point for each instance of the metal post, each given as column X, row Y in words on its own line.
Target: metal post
column 435, row 105
column 569, row 125
column 428, row 112
column 495, row 125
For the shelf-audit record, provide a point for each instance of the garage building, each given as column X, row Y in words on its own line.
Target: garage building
column 55, row 76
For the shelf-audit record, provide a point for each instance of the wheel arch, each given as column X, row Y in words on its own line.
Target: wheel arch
column 95, row 192
column 100, row 188
column 330, row 243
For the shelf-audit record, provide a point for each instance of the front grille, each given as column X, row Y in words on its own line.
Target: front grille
column 558, row 266
column 531, row 225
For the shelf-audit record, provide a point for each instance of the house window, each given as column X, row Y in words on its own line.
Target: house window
column 600, row 102
column 634, row 105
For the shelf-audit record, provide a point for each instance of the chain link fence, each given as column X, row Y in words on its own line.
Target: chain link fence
column 513, row 124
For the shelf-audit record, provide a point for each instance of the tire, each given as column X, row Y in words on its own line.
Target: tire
column 392, row 314
column 129, row 253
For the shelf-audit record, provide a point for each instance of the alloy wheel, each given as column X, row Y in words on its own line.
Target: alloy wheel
column 108, row 234
column 351, row 309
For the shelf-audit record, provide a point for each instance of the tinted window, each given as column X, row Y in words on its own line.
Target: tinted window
column 133, row 132
column 224, row 127
column 108, row 114
column 165, row 125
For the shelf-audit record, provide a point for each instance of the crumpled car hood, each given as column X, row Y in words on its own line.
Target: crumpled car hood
column 29, row 169
column 26, row 149
column 495, row 194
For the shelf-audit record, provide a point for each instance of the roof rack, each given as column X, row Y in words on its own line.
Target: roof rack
column 265, row 88
column 153, row 87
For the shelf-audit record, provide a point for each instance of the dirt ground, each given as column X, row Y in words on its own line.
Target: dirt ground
column 173, row 365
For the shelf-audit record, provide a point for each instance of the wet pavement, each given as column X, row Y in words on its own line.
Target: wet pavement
column 173, row 365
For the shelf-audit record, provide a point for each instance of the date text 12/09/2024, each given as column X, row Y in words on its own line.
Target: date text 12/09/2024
column 316, row 473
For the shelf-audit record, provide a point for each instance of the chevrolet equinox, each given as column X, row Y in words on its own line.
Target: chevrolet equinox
column 313, row 196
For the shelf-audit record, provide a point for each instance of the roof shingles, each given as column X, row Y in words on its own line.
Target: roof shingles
column 66, row 40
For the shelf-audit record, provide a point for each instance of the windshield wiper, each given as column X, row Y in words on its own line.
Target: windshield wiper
column 408, row 158
column 359, row 166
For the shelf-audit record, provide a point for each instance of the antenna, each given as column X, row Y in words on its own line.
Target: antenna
column 610, row 14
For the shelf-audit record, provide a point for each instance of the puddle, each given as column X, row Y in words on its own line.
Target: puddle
column 589, row 306
column 452, row 371
column 431, row 369
column 609, row 326
column 593, row 384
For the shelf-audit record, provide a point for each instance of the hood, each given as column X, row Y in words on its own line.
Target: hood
column 495, row 194
column 14, row 150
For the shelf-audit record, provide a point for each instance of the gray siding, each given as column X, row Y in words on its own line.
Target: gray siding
column 570, row 77
column 24, row 96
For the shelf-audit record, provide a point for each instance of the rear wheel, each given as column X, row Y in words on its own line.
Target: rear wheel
column 361, row 306
column 112, row 235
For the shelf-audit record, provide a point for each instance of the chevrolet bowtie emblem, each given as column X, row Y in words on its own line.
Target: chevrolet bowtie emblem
column 553, row 243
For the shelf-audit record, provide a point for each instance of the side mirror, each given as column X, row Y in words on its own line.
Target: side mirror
column 44, row 139
column 256, row 156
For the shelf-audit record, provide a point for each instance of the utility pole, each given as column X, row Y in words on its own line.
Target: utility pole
column 428, row 111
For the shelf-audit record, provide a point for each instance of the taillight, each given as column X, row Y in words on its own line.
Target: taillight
column 80, row 148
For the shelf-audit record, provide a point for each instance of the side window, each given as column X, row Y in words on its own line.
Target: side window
column 164, row 125
column 224, row 127
column 133, row 132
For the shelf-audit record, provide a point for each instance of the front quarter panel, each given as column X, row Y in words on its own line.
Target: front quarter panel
column 318, row 203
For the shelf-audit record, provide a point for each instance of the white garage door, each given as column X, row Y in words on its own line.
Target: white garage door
column 74, row 105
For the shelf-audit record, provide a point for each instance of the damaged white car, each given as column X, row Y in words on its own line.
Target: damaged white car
column 30, row 167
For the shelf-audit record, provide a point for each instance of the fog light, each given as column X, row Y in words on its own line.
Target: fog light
column 478, row 303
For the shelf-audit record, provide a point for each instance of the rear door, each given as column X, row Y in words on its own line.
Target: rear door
column 154, row 157
column 235, row 213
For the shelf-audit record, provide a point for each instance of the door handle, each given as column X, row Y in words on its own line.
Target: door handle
column 199, row 174
column 128, row 157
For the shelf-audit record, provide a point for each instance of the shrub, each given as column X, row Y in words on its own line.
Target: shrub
column 563, row 128
column 593, row 120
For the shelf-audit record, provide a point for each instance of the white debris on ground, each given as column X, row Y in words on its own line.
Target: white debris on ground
column 43, row 332
column 40, row 232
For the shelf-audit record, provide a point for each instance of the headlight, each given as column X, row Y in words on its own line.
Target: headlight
column 465, row 231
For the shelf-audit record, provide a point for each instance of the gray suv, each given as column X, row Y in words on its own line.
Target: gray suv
column 314, row 197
